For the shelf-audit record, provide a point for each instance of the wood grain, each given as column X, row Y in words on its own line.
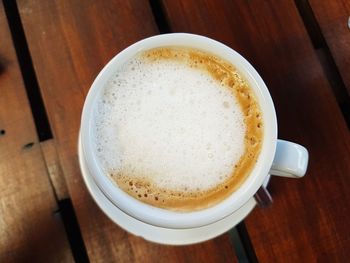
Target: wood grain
column 29, row 228
column 332, row 16
column 70, row 41
column 308, row 219
column 54, row 169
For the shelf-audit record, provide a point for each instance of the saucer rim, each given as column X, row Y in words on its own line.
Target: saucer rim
column 155, row 234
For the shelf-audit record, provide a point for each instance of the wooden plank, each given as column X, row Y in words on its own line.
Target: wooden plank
column 332, row 16
column 70, row 41
column 29, row 228
column 54, row 169
column 330, row 10
column 308, row 219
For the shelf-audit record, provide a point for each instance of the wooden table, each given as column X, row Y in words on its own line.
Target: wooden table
column 50, row 52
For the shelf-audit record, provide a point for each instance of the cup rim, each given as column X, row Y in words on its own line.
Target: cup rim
column 159, row 216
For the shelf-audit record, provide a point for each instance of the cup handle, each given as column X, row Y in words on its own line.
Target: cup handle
column 290, row 160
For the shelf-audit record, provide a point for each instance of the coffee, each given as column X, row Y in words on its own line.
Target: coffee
column 177, row 128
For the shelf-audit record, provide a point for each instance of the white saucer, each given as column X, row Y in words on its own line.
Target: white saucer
column 158, row 234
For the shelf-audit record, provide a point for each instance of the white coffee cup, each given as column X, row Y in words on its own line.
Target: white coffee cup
column 277, row 157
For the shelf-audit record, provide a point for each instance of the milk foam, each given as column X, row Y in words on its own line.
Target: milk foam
column 168, row 124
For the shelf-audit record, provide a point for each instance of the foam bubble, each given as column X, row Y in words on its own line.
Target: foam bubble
column 176, row 125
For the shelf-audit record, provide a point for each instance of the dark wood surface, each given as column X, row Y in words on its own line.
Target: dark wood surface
column 29, row 227
column 308, row 219
column 332, row 17
column 70, row 42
